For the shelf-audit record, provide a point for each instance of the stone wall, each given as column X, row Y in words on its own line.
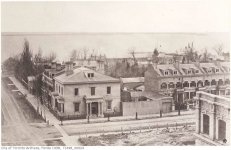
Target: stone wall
column 145, row 107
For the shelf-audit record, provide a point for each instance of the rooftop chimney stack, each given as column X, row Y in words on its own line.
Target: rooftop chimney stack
column 69, row 68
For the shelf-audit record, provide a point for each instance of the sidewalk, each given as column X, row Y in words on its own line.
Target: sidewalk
column 53, row 120
column 46, row 114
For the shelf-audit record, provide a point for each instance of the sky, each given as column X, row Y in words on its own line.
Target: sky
column 113, row 27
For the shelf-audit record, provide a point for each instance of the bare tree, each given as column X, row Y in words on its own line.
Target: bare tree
column 219, row 49
column 74, row 55
column 155, row 55
column 51, row 56
column 85, row 52
column 205, row 56
column 132, row 52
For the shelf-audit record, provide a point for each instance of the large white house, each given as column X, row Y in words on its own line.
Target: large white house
column 85, row 92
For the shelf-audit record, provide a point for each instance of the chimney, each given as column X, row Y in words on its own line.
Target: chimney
column 53, row 65
column 155, row 65
column 177, row 64
column 68, row 68
column 58, row 66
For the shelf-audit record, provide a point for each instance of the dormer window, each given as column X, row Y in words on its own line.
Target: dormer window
column 166, row 73
column 174, row 72
column 210, row 71
column 197, row 71
column 189, row 71
column 217, row 70
column 90, row 75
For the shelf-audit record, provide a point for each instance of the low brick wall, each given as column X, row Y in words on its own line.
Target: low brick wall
column 141, row 107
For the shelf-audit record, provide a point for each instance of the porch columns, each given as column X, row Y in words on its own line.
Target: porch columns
column 101, row 108
column 212, row 123
column 90, row 109
column 198, row 115
column 87, row 109
column 98, row 108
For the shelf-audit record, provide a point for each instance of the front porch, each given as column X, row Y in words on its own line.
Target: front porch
column 94, row 107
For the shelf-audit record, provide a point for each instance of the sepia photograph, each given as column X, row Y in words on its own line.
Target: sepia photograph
column 108, row 73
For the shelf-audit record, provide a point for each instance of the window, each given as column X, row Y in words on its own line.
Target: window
column 163, row 86
column 92, row 90
column 189, row 71
column 175, row 72
column 197, row 71
column 76, row 91
column 166, row 73
column 56, row 103
column 109, row 104
column 56, row 87
column 90, row 75
column 217, row 70
column 76, row 105
column 62, row 90
column 108, row 90
column 209, row 71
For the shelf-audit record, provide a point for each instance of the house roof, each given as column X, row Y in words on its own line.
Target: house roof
column 132, row 80
column 153, row 95
column 80, row 75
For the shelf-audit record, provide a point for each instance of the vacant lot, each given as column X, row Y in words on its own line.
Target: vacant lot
column 170, row 137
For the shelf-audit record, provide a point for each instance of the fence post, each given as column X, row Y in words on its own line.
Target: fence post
column 136, row 115
column 167, row 125
column 108, row 119
column 130, row 129
column 86, row 133
column 160, row 113
column 176, row 125
column 140, row 129
column 88, row 119
column 122, row 130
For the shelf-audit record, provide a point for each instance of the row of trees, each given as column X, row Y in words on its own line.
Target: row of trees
column 125, row 69
column 192, row 55
column 25, row 64
column 84, row 54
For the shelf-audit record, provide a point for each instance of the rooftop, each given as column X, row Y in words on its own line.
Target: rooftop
column 80, row 76
column 132, row 80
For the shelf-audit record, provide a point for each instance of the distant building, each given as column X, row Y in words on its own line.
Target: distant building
column 136, row 100
column 52, row 70
column 97, row 65
column 184, row 80
column 83, row 92
column 212, row 118
column 31, row 85
column 131, row 83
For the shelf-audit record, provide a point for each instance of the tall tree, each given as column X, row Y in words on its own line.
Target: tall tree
column 155, row 56
column 27, row 66
column 219, row 49
column 205, row 56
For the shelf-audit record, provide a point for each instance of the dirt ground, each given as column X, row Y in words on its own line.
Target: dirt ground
column 161, row 137
column 21, row 125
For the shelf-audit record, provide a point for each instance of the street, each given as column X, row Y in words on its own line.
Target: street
column 20, row 127
column 73, row 129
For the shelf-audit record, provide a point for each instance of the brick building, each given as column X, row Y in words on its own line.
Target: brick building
column 183, row 80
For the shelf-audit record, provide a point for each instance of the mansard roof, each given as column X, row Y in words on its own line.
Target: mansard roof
column 182, row 69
